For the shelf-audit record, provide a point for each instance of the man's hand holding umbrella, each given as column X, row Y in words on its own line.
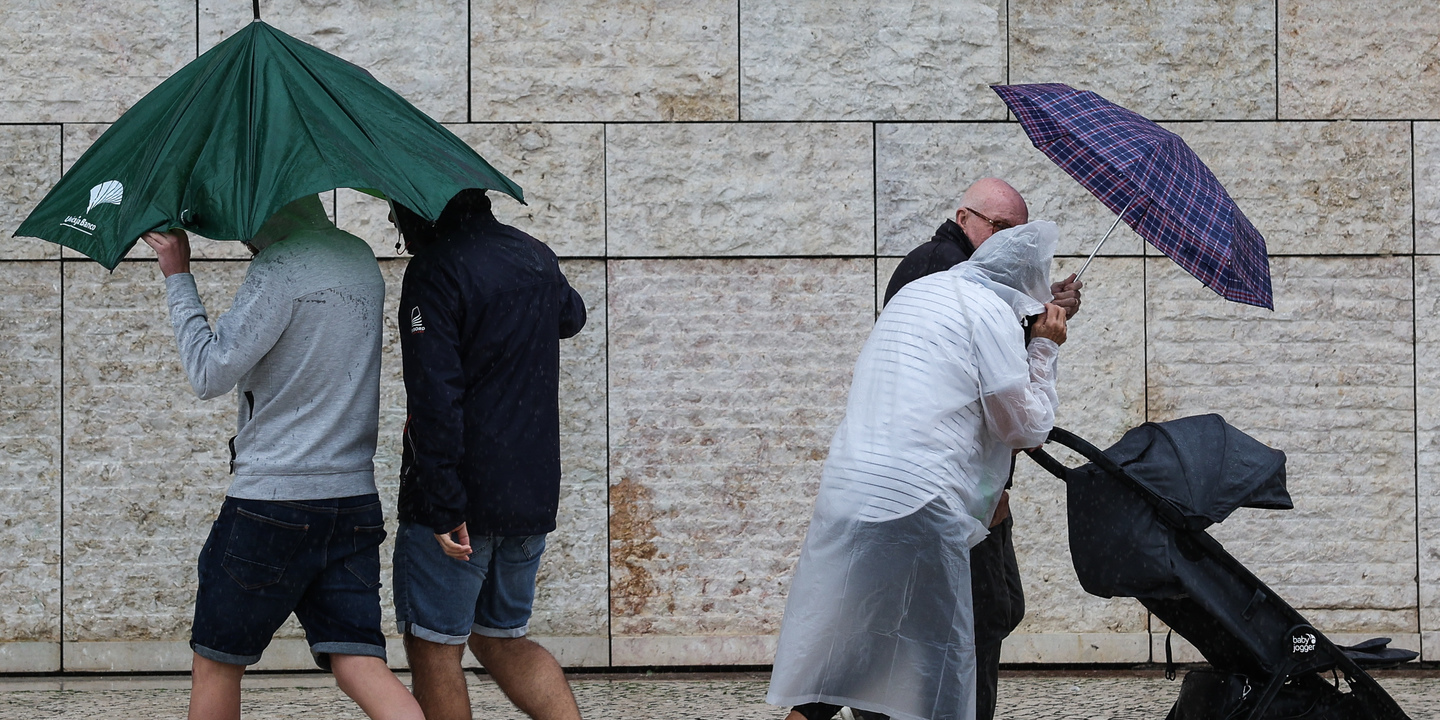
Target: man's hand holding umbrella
column 173, row 249
column 1067, row 296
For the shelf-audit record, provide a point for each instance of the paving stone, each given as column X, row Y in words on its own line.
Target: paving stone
column 30, row 322
column 1167, row 60
column 29, row 167
column 1115, row 695
column 88, row 62
column 816, row 60
column 1328, row 377
column 378, row 37
column 604, row 61
column 727, row 379
column 1326, row 52
column 739, row 189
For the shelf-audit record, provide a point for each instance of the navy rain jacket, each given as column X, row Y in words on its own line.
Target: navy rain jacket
column 482, row 311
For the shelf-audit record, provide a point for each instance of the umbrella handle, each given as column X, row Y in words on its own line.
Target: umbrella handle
column 1113, row 225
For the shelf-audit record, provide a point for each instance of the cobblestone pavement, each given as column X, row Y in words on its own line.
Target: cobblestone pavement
column 1096, row 695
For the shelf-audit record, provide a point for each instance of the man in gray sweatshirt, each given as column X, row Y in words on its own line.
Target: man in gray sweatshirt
column 301, row 525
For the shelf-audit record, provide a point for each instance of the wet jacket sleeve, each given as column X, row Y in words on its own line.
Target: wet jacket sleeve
column 572, row 313
column 1017, row 383
column 216, row 360
column 435, row 386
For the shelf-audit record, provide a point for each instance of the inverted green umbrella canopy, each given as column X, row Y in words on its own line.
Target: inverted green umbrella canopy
column 258, row 121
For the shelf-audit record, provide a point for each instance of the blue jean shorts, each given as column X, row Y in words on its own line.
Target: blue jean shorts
column 444, row 600
column 319, row 559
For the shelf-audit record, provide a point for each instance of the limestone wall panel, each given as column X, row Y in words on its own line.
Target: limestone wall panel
column 604, row 60
column 572, row 598
column 739, row 189
column 727, row 379
column 1102, row 394
column 1326, row 52
column 30, row 322
column 88, row 62
column 29, row 168
column 922, row 169
column 388, row 444
column 560, row 166
column 815, row 60
column 1167, row 60
column 1427, row 187
column 380, row 37
column 146, row 462
column 1427, row 395
column 1330, row 188
column 1328, row 377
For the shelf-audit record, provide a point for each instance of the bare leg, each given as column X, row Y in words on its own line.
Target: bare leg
column 374, row 688
column 529, row 676
column 214, row 689
column 794, row 716
column 438, row 679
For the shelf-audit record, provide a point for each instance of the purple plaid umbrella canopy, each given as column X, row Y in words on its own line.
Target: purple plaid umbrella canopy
column 1154, row 181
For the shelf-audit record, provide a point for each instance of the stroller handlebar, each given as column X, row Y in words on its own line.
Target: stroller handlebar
column 1166, row 509
column 1078, row 444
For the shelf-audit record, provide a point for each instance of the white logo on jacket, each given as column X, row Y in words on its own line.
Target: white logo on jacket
column 417, row 325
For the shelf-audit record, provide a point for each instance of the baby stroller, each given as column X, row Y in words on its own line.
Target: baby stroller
column 1137, row 515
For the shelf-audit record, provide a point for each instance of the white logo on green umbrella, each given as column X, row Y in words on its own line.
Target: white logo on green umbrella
column 109, row 192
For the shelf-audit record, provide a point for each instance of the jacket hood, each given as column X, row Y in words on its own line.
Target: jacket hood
column 303, row 215
column 468, row 207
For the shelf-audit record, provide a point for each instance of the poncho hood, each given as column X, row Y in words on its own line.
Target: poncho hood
column 1015, row 264
column 303, row 215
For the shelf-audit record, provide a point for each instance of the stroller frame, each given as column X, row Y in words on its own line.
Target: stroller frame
column 1229, row 640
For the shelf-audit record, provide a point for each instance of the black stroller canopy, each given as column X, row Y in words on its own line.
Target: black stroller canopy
column 1204, row 467
column 1137, row 514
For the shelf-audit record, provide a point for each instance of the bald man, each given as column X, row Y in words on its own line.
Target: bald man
column 987, row 207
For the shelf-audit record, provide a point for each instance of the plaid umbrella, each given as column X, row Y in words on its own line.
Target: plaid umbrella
column 1153, row 179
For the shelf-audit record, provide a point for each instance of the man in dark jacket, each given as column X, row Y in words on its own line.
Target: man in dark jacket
column 482, row 312
column 987, row 207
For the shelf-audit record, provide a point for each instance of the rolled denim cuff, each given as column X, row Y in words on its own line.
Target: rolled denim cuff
column 223, row 657
column 428, row 635
column 500, row 632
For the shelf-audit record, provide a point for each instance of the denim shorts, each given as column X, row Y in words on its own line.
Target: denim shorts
column 265, row 559
column 444, row 600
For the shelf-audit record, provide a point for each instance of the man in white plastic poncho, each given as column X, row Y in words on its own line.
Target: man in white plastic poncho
column 946, row 389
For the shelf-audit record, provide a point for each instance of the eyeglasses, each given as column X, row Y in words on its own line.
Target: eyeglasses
column 996, row 225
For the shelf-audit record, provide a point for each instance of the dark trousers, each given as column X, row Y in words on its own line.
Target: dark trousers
column 999, row 604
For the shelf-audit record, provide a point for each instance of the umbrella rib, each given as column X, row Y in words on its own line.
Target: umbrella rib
column 373, row 144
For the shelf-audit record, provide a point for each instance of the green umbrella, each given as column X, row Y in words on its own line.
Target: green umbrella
column 258, row 121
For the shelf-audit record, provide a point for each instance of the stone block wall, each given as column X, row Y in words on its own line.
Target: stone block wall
column 729, row 185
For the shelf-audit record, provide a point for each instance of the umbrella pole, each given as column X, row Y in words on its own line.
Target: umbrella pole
column 1113, row 225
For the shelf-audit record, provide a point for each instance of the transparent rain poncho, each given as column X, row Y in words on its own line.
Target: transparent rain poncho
column 879, row 613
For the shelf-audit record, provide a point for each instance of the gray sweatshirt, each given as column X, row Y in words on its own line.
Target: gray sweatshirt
column 301, row 343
